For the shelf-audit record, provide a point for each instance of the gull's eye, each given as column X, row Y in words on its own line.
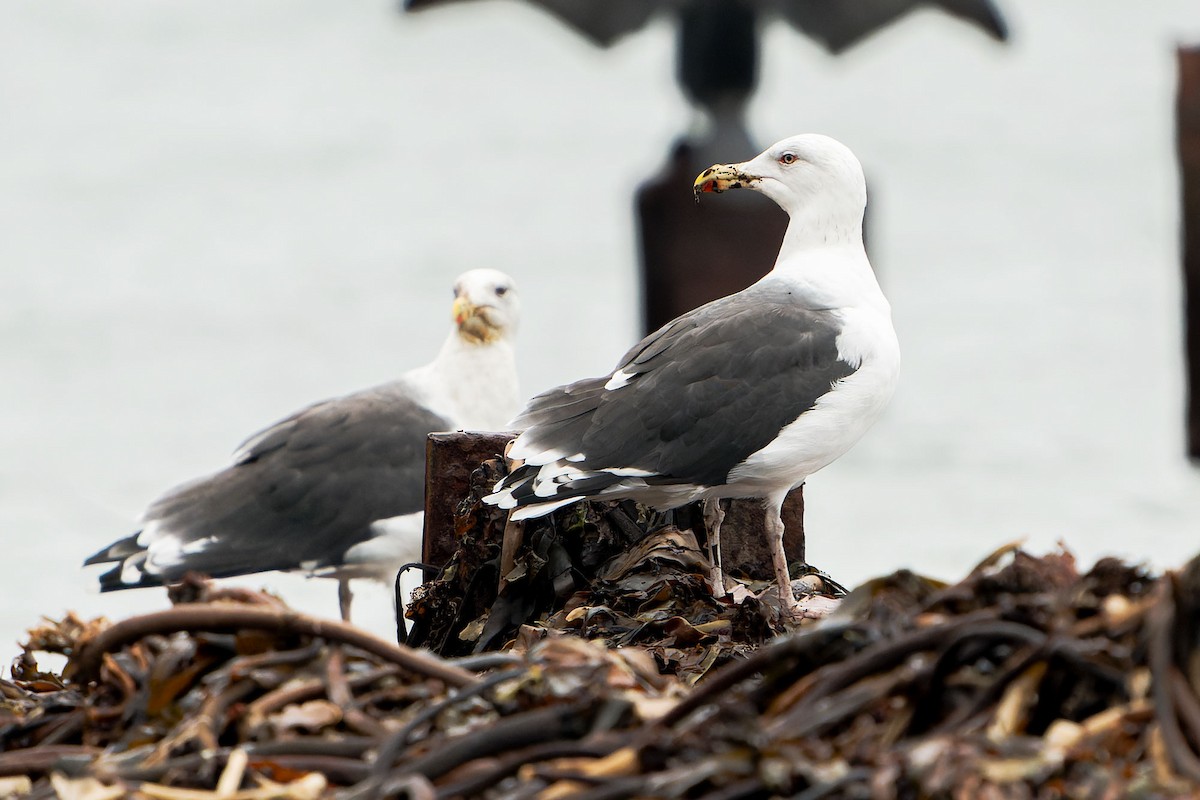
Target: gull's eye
column 787, row 158
column 501, row 291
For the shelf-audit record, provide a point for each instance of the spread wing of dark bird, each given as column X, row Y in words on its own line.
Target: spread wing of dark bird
column 602, row 22
column 840, row 25
column 836, row 24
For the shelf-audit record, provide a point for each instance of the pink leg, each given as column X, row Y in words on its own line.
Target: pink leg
column 779, row 560
column 714, row 515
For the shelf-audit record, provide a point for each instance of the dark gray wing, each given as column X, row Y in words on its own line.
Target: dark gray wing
column 602, row 23
column 838, row 25
column 712, row 387
column 302, row 492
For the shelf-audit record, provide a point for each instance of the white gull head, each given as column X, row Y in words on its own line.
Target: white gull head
column 814, row 178
column 486, row 307
column 473, row 381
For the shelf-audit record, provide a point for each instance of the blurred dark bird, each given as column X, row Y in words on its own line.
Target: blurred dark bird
column 745, row 396
column 836, row 24
column 337, row 489
column 689, row 256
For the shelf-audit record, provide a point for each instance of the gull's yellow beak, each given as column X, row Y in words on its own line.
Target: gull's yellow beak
column 474, row 324
column 462, row 310
column 720, row 177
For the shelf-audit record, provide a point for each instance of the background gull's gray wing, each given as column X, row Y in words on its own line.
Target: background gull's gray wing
column 299, row 495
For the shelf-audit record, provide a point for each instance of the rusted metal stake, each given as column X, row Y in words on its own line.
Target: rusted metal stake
column 1187, row 112
column 450, row 458
column 691, row 254
column 744, row 541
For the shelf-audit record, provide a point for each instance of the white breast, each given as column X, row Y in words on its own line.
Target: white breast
column 831, row 427
column 474, row 386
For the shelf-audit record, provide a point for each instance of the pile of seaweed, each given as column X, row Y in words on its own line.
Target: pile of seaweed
column 614, row 572
column 1026, row 679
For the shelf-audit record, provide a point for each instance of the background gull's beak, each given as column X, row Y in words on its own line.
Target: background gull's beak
column 462, row 310
column 474, row 323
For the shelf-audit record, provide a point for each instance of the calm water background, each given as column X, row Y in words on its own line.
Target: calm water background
column 211, row 214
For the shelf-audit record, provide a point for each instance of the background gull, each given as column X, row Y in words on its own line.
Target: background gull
column 337, row 489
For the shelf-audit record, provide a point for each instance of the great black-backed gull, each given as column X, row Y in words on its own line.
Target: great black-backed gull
column 336, row 489
column 745, row 396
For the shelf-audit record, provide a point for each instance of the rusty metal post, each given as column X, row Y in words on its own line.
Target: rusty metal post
column 691, row 253
column 745, row 547
column 450, row 458
column 1187, row 112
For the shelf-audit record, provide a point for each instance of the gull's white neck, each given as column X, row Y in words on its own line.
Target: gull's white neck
column 824, row 259
column 473, row 384
column 815, row 227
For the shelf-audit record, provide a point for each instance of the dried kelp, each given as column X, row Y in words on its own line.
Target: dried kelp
column 611, row 571
column 1025, row 680
column 255, row 700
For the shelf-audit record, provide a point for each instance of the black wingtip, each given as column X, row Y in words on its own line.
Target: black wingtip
column 116, row 551
column 111, row 581
column 982, row 13
column 114, row 580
